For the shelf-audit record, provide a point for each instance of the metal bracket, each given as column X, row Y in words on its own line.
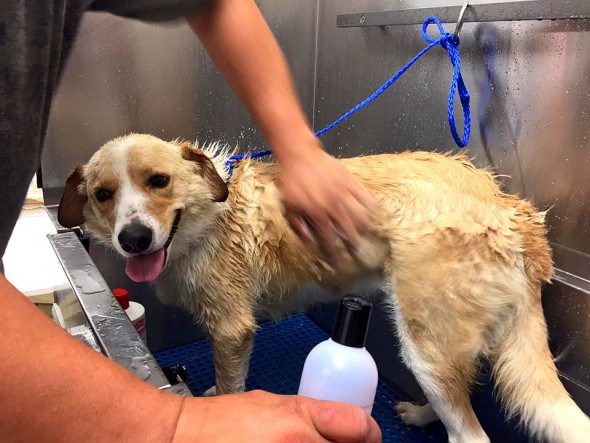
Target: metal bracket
column 178, row 389
column 51, row 211
column 487, row 12
column 461, row 19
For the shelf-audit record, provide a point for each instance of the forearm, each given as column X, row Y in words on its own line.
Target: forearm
column 54, row 388
column 244, row 49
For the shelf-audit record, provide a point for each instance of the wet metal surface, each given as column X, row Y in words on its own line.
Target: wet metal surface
column 112, row 329
column 479, row 12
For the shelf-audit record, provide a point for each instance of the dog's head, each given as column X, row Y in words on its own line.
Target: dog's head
column 146, row 198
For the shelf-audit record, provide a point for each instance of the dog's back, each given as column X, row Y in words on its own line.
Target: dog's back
column 468, row 262
column 464, row 264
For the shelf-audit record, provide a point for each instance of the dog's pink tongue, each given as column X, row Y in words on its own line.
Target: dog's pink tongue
column 145, row 267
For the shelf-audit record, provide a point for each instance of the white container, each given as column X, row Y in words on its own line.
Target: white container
column 58, row 316
column 135, row 311
column 340, row 368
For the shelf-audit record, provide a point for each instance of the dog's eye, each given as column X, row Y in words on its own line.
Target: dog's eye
column 103, row 195
column 159, row 181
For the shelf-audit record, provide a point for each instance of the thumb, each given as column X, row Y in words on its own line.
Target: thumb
column 340, row 422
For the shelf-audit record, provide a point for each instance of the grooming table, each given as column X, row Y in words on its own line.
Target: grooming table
column 279, row 353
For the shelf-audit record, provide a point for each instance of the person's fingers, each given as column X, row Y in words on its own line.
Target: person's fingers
column 300, row 226
column 327, row 206
column 305, row 230
column 341, row 423
column 326, row 236
column 356, row 201
column 345, row 223
column 362, row 194
column 350, row 184
column 362, row 217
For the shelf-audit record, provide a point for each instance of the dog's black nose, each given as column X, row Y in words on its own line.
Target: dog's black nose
column 135, row 237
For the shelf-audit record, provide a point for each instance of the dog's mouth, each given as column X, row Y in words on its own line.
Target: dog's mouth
column 148, row 267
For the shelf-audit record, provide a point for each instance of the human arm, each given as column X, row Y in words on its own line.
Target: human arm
column 54, row 388
column 315, row 187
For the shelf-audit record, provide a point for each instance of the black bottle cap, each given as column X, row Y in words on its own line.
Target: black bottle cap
column 352, row 321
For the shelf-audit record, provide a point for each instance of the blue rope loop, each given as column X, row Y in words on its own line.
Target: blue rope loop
column 451, row 44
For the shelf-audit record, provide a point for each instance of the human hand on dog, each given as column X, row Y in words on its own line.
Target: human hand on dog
column 324, row 202
column 260, row 416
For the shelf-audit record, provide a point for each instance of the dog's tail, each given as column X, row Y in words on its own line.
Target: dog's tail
column 525, row 374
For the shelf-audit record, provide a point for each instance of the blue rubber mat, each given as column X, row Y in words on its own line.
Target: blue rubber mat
column 279, row 353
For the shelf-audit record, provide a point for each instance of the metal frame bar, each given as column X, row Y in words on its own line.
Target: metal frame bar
column 113, row 330
column 51, row 211
column 488, row 12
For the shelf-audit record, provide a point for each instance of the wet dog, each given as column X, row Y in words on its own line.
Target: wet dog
column 461, row 262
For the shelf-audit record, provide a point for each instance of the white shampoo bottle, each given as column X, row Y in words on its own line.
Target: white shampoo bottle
column 340, row 368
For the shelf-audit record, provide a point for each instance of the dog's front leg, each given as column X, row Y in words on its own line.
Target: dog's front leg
column 229, row 319
column 231, row 354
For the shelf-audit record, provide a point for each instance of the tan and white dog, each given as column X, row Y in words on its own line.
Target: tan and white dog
column 461, row 261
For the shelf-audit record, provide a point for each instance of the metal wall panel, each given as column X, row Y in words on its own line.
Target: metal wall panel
column 128, row 76
column 529, row 83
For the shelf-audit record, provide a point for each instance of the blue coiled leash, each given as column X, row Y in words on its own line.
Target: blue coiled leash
column 450, row 42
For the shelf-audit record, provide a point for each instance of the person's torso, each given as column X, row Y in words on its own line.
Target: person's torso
column 35, row 36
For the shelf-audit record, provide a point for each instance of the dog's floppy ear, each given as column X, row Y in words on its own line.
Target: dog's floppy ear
column 207, row 170
column 69, row 213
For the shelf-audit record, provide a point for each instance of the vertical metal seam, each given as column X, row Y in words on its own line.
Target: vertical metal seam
column 315, row 65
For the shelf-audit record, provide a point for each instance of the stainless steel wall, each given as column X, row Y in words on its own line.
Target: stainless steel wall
column 530, row 89
column 529, row 83
column 127, row 76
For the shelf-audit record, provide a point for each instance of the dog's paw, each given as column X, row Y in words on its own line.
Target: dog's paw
column 211, row 392
column 415, row 415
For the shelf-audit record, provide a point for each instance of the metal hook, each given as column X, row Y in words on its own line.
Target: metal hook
column 460, row 21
